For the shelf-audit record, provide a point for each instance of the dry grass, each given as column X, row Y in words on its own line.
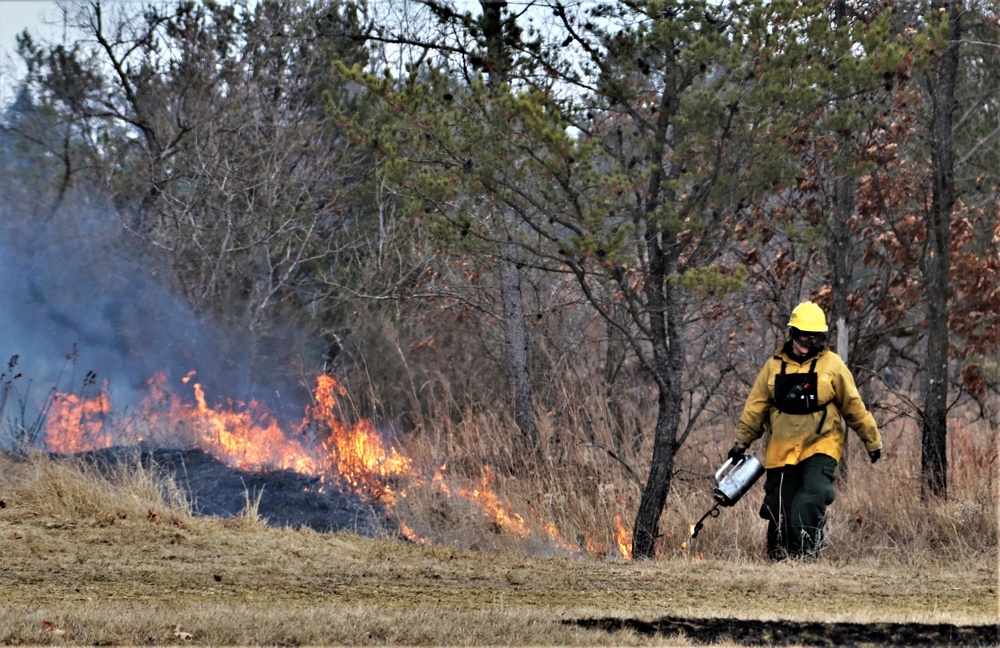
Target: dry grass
column 126, row 567
column 120, row 560
column 92, row 557
column 582, row 484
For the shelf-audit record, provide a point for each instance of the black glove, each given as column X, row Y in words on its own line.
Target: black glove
column 737, row 452
column 875, row 455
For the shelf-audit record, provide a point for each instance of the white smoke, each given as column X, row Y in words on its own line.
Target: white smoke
column 74, row 299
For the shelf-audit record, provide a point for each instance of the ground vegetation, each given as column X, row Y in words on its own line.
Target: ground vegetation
column 548, row 251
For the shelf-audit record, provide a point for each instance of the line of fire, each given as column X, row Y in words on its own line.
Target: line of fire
column 248, row 436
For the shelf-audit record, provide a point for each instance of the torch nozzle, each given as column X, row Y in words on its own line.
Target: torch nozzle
column 714, row 512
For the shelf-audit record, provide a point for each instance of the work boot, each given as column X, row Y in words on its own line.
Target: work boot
column 777, row 549
column 811, row 548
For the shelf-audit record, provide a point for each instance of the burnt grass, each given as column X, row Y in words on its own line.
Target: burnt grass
column 283, row 498
column 784, row 633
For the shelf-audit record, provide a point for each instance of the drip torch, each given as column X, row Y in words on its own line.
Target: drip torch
column 729, row 488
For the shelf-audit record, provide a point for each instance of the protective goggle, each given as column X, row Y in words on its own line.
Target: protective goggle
column 806, row 338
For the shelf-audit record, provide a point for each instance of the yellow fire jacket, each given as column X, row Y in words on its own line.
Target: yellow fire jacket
column 791, row 438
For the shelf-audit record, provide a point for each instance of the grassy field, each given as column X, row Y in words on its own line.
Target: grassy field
column 120, row 561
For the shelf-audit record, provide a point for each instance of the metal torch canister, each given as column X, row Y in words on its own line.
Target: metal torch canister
column 741, row 476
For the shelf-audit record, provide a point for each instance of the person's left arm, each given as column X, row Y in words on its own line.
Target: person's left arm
column 852, row 408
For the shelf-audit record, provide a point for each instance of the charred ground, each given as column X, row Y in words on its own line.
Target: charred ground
column 282, row 498
column 796, row 633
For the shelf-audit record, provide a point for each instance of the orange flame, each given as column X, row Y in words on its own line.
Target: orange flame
column 243, row 435
column 410, row 534
column 360, row 456
column 685, row 545
column 487, row 501
column 247, row 435
column 75, row 423
column 623, row 536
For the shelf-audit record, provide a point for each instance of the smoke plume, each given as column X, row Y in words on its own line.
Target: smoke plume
column 75, row 298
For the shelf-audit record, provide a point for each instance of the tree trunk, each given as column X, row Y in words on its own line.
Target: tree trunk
column 665, row 314
column 666, row 317
column 668, row 356
column 515, row 327
column 840, row 246
column 661, row 471
column 839, row 258
column 516, row 334
column 937, row 262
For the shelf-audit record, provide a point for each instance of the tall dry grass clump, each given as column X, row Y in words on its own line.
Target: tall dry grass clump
column 77, row 488
column 575, row 493
column 884, row 503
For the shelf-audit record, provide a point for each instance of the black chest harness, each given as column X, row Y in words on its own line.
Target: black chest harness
column 798, row 393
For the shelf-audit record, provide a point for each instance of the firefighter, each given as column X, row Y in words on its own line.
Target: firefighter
column 803, row 396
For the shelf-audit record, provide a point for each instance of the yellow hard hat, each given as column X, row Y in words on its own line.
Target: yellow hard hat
column 808, row 317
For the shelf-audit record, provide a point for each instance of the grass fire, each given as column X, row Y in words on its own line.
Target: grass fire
column 246, row 435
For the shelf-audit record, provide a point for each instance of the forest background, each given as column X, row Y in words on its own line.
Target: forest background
column 548, row 245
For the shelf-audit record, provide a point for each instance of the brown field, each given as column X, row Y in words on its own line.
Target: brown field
column 120, row 561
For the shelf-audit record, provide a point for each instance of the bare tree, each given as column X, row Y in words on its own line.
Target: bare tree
column 214, row 138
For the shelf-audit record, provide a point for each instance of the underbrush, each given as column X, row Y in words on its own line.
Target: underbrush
column 580, row 491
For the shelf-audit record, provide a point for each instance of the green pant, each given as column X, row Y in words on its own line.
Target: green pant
column 795, row 501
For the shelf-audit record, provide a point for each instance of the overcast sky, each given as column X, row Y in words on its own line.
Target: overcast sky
column 43, row 18
column 15, row 17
